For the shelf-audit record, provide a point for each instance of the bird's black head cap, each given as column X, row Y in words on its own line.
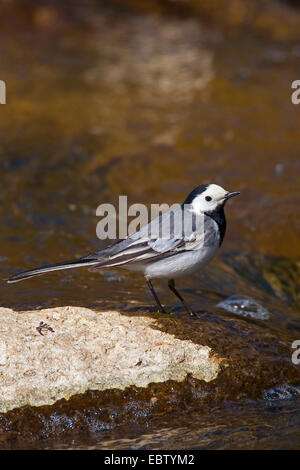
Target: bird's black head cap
column 195, row 192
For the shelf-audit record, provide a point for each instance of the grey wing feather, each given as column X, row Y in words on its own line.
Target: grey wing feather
column 159, row 239
column 167, row 234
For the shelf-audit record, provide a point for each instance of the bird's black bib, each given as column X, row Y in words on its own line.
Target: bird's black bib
column 218, row 215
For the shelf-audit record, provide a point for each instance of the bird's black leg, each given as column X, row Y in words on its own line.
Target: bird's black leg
column 171, row 284
column 160, row 307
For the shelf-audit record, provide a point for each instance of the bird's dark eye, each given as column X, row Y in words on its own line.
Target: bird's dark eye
column 207, row 198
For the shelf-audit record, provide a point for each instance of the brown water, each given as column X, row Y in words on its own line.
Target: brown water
column 101, row 102
column 251, row 426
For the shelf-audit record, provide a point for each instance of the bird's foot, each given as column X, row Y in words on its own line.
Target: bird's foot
column 194, row 314
column 162, row 310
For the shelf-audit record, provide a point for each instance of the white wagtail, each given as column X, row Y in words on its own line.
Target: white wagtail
column 172, row 245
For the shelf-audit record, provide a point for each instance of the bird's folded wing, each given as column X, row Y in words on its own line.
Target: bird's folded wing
column 153, row 242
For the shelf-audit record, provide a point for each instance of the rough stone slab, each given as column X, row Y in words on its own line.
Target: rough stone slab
column 89, row 350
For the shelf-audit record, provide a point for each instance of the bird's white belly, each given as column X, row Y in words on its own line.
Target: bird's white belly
column 178, row 265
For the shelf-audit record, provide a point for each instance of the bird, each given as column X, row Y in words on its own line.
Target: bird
column 173, row 245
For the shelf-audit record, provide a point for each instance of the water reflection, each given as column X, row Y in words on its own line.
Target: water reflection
column 102, row 103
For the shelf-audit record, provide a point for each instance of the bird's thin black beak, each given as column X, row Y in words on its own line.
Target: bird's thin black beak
column 234, row 193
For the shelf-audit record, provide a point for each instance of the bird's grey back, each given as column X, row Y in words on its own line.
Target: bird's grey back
column 175, row 230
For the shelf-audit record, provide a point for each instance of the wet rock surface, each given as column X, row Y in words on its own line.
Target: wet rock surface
column 244, row 306
column 139, row 367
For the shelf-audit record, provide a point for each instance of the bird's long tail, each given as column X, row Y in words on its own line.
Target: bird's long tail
column 52, row 267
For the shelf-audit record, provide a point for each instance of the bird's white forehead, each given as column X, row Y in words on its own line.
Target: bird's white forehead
column 216, row 191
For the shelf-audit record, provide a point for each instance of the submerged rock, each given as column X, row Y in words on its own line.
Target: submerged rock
column 244, row 306
column 279, row 20
column 282, row 392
